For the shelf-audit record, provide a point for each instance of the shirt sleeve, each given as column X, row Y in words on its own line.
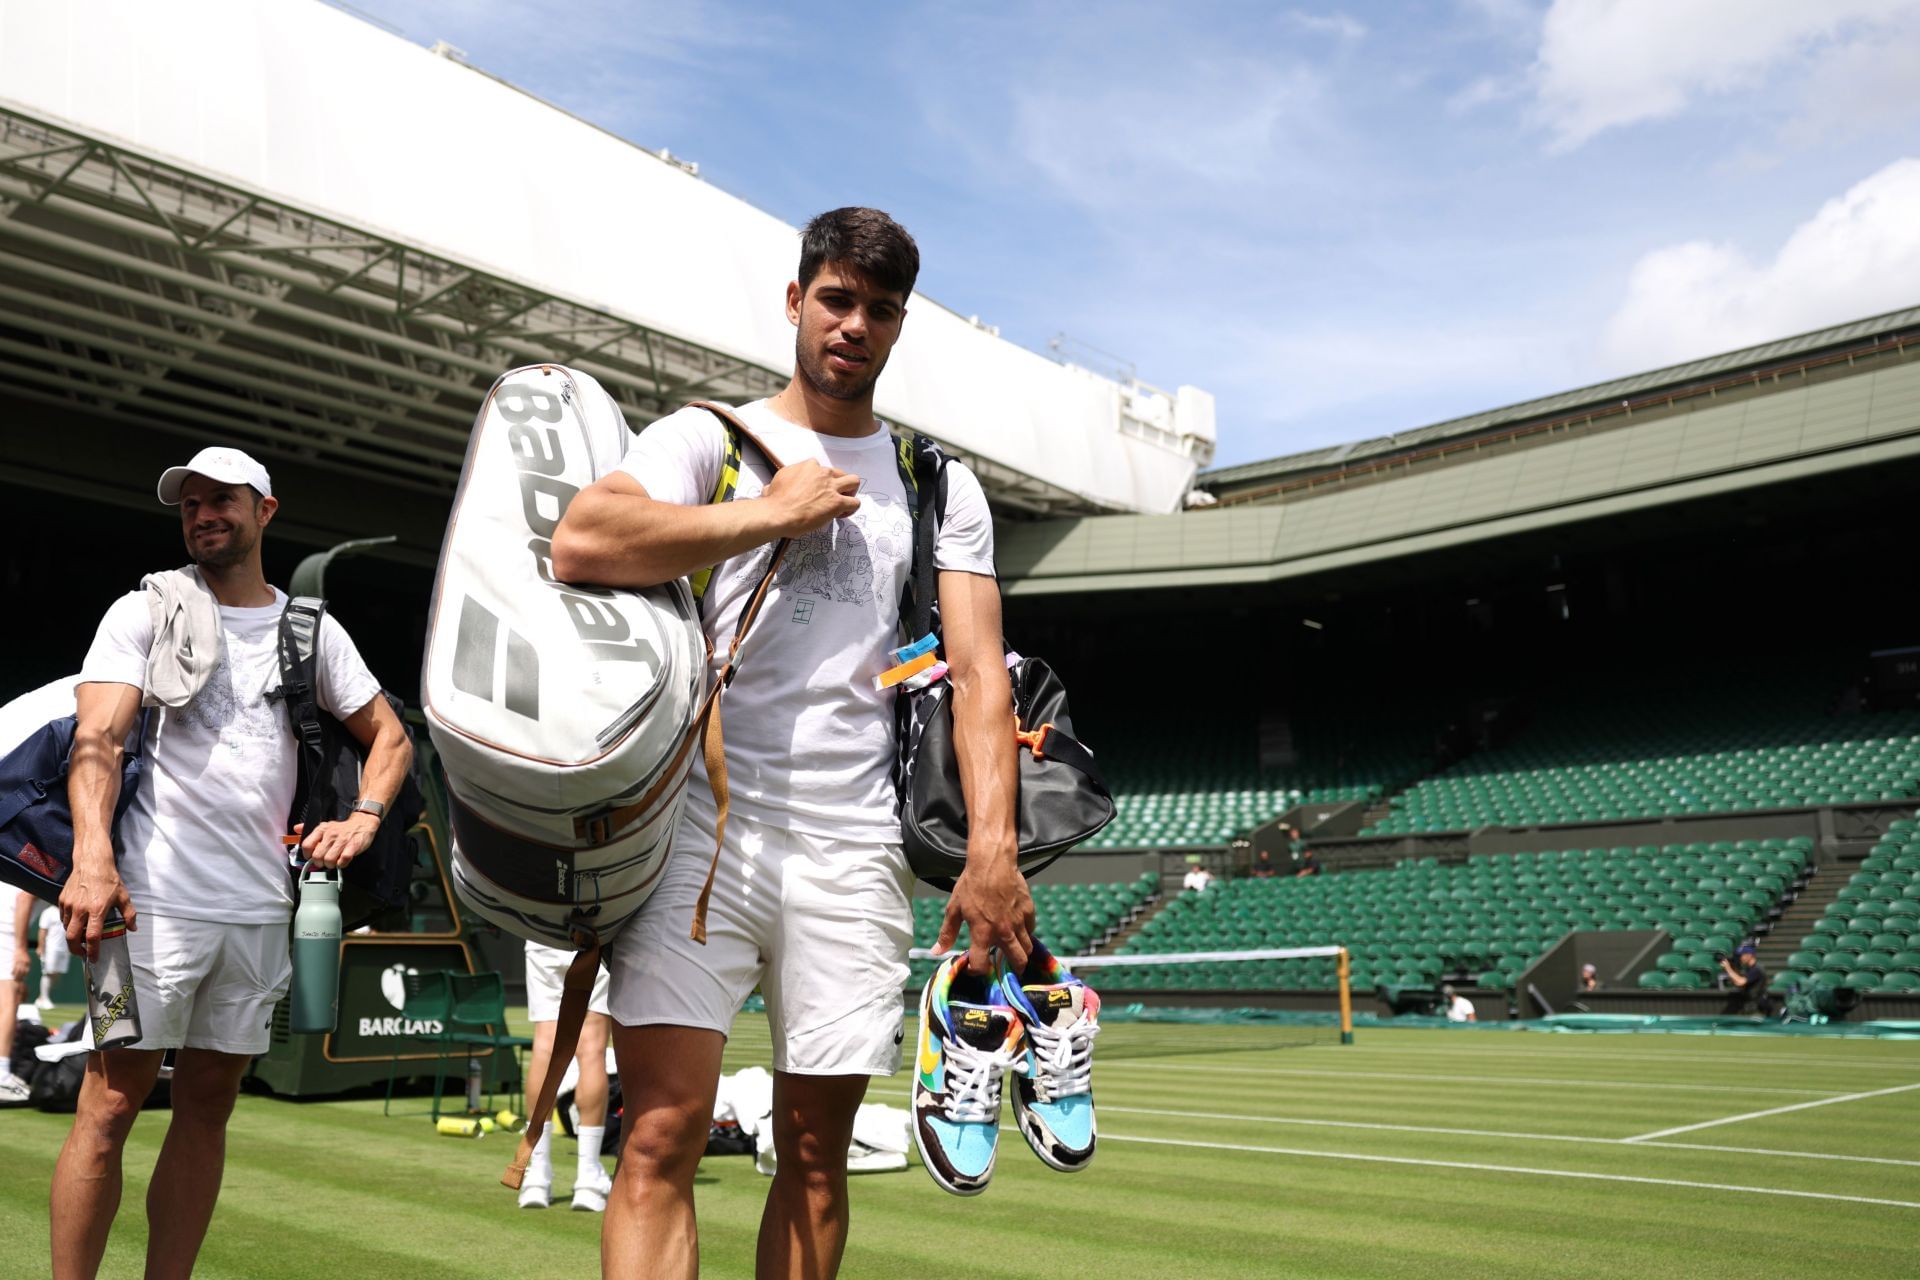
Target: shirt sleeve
column 119, row 651
column 677, row 459
column 345, row 683
column 965, row 541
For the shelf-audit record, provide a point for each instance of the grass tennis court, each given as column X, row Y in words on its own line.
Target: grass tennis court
column 1411, row 1153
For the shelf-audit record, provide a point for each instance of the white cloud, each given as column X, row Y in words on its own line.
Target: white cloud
column 1603, row 64
column 1341, row 26
column 1858, row 256
column 1220, row 125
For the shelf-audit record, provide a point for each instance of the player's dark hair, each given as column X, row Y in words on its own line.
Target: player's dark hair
column 865, row 239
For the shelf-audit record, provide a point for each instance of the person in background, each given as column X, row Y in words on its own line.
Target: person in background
column 546, row 975
column 1748, row 978
column 16, row 910
column 55, row 957
column 1198, row 879
column 201, row 876
column 1263, row 868
column 1458, row 1007
column 1589, row 978
column 1309, row 865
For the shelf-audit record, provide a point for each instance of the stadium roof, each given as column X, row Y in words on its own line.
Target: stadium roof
column 1611, row 393
column 202, row 235
column 1820, row 404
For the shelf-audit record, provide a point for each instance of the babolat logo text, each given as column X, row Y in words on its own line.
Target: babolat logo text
column 539, row 457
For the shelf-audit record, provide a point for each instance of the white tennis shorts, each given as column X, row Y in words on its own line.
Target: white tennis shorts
column 821, row 926
column 207, row 984
column 546, row 977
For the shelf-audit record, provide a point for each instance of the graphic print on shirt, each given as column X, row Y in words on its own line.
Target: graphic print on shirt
column 837, row 563
column 240, row 725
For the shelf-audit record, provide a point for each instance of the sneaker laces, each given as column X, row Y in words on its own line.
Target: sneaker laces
column 1063, row 1059
column 973, row 1082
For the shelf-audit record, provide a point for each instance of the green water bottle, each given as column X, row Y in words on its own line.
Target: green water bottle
column 315, row 997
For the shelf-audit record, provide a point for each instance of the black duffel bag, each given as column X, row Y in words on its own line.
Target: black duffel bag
column 1063, row 797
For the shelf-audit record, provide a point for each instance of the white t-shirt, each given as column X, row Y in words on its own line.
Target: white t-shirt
column 809, row 739
column 202, row 837
column 1197, row 879
column 1460, row 1010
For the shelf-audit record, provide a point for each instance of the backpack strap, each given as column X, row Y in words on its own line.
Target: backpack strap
column 920, row 609
column 299, row 689
column 723, row 491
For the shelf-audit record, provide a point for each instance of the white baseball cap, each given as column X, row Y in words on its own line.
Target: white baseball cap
column 228, row 466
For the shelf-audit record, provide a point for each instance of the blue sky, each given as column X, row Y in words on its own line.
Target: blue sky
column 1341, row 220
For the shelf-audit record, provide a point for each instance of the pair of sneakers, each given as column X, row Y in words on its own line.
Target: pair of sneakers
column 589, row 1192
column 1036, row 1026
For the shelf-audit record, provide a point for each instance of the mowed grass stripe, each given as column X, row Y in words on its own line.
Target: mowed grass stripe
column 1449, row 1080
column 1109, row 1109
column 1610, row 1159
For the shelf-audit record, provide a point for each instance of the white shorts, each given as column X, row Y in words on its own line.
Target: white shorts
column 546, row 978
column 207, row 984
column 56, row 958
column 821, row 925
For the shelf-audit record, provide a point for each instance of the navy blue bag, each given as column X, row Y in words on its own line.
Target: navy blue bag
column 36, row 823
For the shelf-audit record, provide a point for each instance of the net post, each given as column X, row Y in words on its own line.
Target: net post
column 1346, row 1000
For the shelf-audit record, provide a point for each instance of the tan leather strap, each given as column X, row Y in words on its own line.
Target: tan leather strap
column 576, row 990
column 715, row 745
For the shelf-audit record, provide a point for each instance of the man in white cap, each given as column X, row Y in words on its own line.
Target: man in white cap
column 202, row 879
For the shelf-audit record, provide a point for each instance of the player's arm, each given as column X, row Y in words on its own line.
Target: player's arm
column 991, row 895
column 615, row 535
column 105, row 713
column 389, row 755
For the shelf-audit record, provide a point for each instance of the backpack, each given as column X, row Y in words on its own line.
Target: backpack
column 375, row 883
column 1063, row 797
column 36, row 822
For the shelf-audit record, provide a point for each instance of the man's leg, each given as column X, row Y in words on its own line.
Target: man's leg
column 538, row 1181
column 186, row 1177
column 804, row 1228
column 591, row 1093
column 668, row 1076
column 590, row 1182
column 86, row 1178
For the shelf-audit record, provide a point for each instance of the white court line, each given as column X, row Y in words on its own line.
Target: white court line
column 1109, row 1109
column 1503, row 1168
column 1130, row 1064
column 1773, row 1111
column 1852, row 1066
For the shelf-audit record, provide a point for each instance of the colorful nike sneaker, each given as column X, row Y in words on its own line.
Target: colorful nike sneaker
column 1053, row 1081
column 968, row 1041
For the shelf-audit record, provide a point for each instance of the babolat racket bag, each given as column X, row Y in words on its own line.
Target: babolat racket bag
column 565, row 716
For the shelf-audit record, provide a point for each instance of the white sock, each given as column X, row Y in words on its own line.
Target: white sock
column 6, row 1069
column 540, row 1168
column 590, row 1139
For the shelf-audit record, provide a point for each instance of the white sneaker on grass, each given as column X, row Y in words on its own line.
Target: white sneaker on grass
column 13, row 1091
column 535, row 1195
column 591, row 1196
